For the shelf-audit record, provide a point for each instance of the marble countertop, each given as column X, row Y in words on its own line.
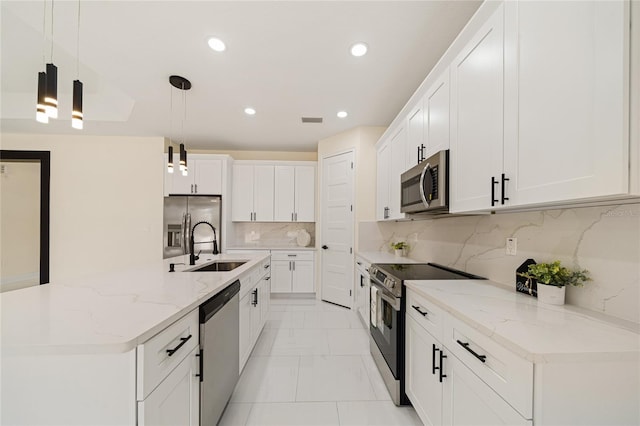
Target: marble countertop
column 267, row 246
column 110, row 313
column 383, row 257
column 538, row 332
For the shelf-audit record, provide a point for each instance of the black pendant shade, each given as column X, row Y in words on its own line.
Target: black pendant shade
column 76, row 113
column 51, row 93
column 170, row 161
column 41, row 111
column 183, row 157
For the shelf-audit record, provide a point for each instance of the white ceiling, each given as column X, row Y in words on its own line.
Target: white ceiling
column 285, row 59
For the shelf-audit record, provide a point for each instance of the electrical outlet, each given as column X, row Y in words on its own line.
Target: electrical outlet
column 512, row 246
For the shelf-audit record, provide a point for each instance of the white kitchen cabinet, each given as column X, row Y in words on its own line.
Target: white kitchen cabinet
column 467, row 400
column 477, row 105
column 362, row 290
column 566, row 94
column 391, row 156
column 383, row 171
column 422, row 380
column 176, row 400
column 252, row 193
column 254, row 308
column 205, row 176
column 436, row 116
column 292, row 272
column 295, row 188
column 415, row 136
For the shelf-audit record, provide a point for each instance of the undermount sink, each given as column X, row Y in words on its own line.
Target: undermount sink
column 219, row 267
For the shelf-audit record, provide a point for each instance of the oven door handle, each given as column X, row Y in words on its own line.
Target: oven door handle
column 392, row 300
column 426, row 170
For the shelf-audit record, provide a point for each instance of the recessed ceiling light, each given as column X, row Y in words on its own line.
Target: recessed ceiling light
column 217, row 44
column 359, row 49
column 342, row 114
column 249, row 111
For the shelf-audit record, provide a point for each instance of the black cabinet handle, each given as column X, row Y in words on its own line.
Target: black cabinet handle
column 504, row 179
column 433, row 358
column 199, row 355
column 266, row 266
column 255, row 297
column 482, row 358
column 421, row 156
column 494, row 182
column 441, row 368
column 417, row 308
column 183, row 340
column 324, row 247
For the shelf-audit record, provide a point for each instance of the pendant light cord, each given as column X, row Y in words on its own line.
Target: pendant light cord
column 184, row 112
column 44, row 33
column 78, row 46
column 170, row 114
column 52, row 30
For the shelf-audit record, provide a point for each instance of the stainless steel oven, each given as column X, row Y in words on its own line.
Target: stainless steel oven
column 387, row 325
column 425, row 187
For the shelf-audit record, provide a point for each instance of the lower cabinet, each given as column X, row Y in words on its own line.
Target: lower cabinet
column 362, row 290
column 176, row 400
column 255, row 294
column 293, row 272
column 444, row 391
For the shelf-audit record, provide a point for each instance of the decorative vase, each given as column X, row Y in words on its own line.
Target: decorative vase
column 551, row 294
column 399, row 252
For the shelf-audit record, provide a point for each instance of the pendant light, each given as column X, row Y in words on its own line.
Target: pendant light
column 51, row 92
column 41, row 111
column 170, row 160
column 76, row 113
column 184, row 85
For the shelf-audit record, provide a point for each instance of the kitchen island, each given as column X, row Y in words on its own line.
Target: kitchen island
column 72, row 351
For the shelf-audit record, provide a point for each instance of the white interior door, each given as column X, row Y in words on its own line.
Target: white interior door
column 337, row 229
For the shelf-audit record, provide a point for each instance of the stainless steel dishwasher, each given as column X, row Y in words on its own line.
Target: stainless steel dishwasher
column 219, row 352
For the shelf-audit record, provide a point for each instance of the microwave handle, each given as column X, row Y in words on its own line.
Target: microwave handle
column 426, row 169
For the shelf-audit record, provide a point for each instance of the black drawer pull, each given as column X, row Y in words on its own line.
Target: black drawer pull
column 183, row 340
column 441, row 368
column 417, row 308
column 494, row 182
column 433, row 358
column 266, row 266
column 482, row 358
column 504, row 179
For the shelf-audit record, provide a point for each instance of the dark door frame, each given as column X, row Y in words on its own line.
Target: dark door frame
column 44, row 157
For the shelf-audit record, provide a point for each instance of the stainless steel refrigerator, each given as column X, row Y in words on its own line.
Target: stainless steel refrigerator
column 181, row 213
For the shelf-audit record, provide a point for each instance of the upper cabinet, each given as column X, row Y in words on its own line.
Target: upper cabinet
column 477, row 118
column 535, row 101
column 428, row 122
column 391, row 163
column 566, row 100
column 273, row 191
column 252, row 193
column 205, row 176
column 295, row 199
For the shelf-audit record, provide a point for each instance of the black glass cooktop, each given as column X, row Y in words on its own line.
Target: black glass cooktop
column 423, row 271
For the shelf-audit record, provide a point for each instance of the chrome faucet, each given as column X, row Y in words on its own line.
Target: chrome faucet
column 192, row 243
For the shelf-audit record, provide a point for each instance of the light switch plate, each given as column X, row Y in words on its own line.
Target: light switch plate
column 511, row 246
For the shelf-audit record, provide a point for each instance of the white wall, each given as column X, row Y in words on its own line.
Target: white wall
column 603, row 240
column 106, row 200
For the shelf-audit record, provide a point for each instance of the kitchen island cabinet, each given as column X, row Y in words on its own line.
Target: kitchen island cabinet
column 478, row 353
column 94, row 351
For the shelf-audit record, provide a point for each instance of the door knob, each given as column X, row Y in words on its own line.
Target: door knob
column 324, row 247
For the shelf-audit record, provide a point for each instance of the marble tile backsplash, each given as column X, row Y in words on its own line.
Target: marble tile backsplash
column 270, row 233
column 604, row 240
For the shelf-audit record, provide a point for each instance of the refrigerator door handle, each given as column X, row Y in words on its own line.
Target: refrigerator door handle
column 182, row 232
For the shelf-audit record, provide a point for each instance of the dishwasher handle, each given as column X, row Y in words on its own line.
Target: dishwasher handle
column 213, row 305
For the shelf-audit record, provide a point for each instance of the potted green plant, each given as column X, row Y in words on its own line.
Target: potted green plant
column 552, row 279
column 400, row 248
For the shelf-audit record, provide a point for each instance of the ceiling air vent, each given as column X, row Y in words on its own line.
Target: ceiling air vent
column 312, row 119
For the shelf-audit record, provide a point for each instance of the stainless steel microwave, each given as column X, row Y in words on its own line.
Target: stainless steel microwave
column 425, row 187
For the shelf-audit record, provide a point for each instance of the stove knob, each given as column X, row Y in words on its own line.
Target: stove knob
column 392, row 283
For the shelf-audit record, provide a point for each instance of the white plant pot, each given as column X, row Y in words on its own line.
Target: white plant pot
column 550, row 294
column 399, row 253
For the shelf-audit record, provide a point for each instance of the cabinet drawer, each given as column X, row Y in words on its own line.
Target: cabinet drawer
column 155, row 361
column 292, row 255
column 425, row 314
column 508, row 374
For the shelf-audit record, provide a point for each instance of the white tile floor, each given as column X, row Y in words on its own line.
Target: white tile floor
column 311, row 366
